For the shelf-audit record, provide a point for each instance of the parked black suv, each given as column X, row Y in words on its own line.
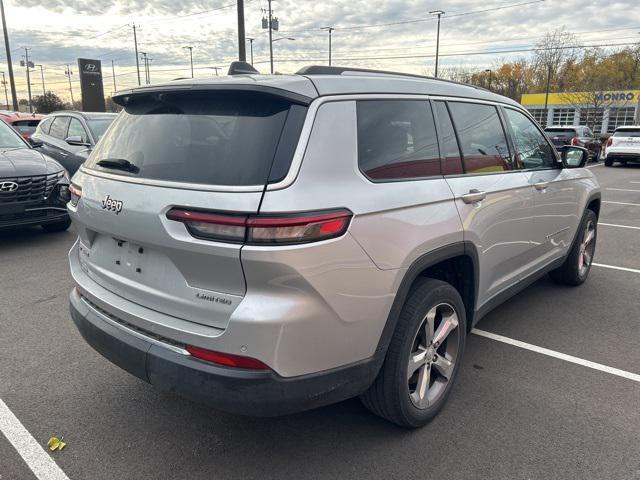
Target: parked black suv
column 34, row 189
column 69, row 137
column 577, row 136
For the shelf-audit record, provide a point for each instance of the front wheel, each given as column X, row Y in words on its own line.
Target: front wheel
column 608, row 162
column 423, row 357
column 576, row 267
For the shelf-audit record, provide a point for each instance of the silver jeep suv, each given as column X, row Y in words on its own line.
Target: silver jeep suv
column 269, row 244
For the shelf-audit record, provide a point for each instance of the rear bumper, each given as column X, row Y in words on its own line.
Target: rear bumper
column 171, row 368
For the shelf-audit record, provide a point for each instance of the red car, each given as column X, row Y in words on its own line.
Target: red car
column 24, row 123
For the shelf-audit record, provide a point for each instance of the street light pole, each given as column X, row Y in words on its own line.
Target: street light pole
column 242, row 52
column 488, row 70
column 42, row 76
column 12, row 80
column 438, row 13
column 135, row 44
column 250, row 40
column 113, row 72
column 330, row 30
column 191, row 58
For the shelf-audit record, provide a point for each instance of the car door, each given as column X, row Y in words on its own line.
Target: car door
column 53, row 143
column 555, row 205
column 492, row 195
column 77, row 153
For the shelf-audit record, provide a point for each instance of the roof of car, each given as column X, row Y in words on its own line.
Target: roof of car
column 628, row 127
column 312, row 82
column 564, row 127
column 10, row 116
column 85, row 115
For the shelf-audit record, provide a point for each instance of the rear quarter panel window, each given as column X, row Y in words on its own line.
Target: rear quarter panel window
column 397, row 140
column 482, row 138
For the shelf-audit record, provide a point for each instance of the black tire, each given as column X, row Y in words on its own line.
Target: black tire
column 57, row 226
column 390, row 396
column 608, row 162
column 575, row 271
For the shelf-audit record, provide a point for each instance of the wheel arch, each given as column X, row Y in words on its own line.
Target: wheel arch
column 456, row 264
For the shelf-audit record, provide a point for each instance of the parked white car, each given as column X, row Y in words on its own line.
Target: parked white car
column 623, row 146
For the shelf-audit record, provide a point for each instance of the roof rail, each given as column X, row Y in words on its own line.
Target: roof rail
column 325, row 70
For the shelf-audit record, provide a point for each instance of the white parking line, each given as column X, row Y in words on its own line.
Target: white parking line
column 613, row 267
column 623, row 189
column 622, row 203
column 562, row 356
column 594, row 166
column 618, row 226
column 38, row 460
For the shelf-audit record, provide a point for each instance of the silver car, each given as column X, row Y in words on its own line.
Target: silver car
column 269, row 244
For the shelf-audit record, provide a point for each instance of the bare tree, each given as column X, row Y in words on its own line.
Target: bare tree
column 557, row 51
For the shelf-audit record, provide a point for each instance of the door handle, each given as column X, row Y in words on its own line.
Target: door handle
column 541, row 186
column 64, row 154
column 474, row 196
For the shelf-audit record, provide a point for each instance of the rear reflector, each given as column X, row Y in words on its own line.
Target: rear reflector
column 226, row 359
column 264, row 230
column 574, row 141
column 75, row 192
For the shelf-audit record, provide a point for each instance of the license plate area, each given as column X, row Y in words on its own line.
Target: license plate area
column 129, row 258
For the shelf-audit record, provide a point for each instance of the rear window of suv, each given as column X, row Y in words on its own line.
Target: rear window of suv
column 561, row 132
column 627, row 133
column 213, row 138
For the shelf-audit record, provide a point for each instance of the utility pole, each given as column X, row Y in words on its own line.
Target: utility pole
column 146, row 74
column 438, row 13
column 12, row 80
column 330, row 30
column 27, row 64
column 44, row 92
column 488, row 70
column 250, row 40
column 135, row 43
column 6, row 95
column 216, row 69
column 68, row 74
column 242, row 51
column 191, row 58
column 113, row 72
column 271, row 23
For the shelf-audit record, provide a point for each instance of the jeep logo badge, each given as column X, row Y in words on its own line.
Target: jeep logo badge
column 112, row 205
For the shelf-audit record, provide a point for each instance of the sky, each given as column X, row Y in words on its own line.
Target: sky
column 390, row 34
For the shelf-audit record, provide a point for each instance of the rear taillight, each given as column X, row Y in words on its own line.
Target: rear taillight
column 264, row 229
column 226, row 359
column 610, row 141
column 75, row 192
column 575, row 141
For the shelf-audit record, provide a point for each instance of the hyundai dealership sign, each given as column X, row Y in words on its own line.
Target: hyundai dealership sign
column 91, row 85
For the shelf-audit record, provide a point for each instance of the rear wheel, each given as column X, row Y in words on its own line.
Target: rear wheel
column 57, row 226
column 423, row 357
column 576, row 267
column 608, row 162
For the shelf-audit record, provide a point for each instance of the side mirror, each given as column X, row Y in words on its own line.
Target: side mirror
column 76, row 141
column 35, row 143
column 574, row 157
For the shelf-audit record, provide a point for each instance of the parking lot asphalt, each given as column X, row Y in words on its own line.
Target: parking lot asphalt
column 514, row 413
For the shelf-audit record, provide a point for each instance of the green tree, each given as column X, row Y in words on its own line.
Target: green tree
column 47, row 103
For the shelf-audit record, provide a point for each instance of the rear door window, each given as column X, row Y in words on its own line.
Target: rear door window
column 45, row 125
column 59, row 127
column 397, row 140
column 214, row 138
column 482, row 138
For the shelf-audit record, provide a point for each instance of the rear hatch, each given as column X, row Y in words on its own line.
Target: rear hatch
column 203, row 150
column 560, row 136
column 627, row 137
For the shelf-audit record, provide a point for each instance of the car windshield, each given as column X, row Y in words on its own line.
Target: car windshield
column 9, row 138
column 98, row 127
column 627, row 133
column 561, row 132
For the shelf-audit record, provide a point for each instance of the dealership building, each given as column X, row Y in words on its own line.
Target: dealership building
column 614, row 109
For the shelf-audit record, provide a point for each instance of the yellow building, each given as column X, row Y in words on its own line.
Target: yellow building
column 604, row 111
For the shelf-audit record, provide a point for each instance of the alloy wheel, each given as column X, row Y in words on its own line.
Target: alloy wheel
column 433, row 355
column 587, row 248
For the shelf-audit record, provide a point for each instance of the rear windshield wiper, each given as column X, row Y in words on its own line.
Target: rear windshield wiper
column 118, row 164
